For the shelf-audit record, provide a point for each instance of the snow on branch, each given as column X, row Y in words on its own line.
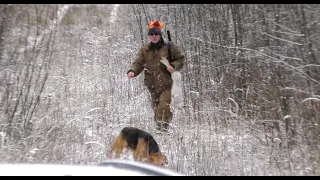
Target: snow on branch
column 282, row 39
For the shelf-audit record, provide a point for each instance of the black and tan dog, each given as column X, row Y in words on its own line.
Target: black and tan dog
column 142, row 144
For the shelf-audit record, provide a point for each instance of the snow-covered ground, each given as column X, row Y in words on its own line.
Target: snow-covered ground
column 91, row 100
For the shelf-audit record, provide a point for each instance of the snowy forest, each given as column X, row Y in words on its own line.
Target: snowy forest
column 251, row 85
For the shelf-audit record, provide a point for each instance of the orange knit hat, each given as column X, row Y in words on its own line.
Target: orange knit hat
column 155, row 27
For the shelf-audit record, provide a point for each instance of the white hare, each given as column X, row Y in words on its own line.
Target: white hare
column 176, row 91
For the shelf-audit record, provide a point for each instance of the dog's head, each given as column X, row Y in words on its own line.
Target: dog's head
column 158, row 159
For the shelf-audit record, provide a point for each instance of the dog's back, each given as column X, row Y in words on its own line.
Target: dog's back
column 132, row 134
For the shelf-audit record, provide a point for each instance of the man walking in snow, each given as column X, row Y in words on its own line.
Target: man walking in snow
column 158, row 76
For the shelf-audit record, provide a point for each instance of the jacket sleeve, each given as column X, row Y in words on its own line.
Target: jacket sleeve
column 177, row 57
column 138, row 64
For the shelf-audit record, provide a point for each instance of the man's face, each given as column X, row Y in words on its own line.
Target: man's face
column 154, row 38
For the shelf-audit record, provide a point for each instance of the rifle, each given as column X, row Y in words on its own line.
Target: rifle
column 169, row 47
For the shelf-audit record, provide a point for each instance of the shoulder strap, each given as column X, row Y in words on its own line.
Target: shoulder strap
column 169, row 51
column 169, row 47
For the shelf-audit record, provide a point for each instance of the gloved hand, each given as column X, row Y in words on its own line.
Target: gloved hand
column 130, row 74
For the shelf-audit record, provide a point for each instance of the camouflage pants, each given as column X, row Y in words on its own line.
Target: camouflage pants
column 161, row 108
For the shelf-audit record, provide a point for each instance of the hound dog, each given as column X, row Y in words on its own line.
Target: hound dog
column 143, row 146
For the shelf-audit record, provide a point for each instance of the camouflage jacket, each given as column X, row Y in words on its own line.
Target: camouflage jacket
column 157, row 77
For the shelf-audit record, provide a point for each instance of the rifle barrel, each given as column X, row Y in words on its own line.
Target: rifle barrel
column 169, row 37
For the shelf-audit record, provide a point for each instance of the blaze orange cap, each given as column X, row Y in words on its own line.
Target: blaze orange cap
column 155, row 24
